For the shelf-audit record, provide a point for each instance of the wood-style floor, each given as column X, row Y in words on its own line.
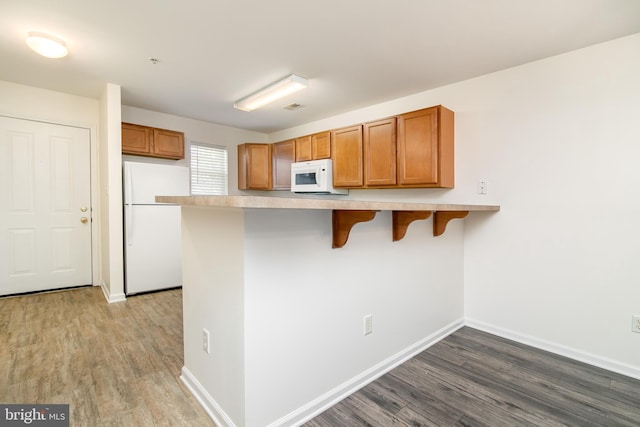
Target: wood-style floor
column 476, row 379
column 115, row 364
column 118, row 365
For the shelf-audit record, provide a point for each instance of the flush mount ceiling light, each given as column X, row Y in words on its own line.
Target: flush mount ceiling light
column 277, row 90
column 47, row 45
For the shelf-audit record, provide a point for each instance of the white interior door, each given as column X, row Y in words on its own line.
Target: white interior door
column 45, row 206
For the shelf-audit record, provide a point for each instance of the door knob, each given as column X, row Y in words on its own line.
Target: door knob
column 84, row 220
column 83, row 209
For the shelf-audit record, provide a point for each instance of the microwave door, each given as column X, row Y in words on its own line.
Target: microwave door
column 306, row 178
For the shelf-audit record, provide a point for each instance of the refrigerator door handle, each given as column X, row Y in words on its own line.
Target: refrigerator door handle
column 129, row 221
column 129, row 183
column 128, row 207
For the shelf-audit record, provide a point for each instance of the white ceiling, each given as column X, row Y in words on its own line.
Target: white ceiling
column 355, row 53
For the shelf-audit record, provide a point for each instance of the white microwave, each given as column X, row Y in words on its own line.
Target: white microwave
column 314, row 176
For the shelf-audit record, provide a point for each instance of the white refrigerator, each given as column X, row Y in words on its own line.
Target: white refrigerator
column 152, row 238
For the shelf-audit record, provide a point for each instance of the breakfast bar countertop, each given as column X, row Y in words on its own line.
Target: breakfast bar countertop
column 263, row 202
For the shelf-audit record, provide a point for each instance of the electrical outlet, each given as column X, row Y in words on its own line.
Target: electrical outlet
column 635, row 323
column 205, row 341
column 482, row 187
column 368, row 324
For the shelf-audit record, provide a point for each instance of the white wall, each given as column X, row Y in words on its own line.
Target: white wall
column 558, row 141
column 111, row 227
column 197, row 131
column 213, row 299
column 32, row 103
column 305, row 305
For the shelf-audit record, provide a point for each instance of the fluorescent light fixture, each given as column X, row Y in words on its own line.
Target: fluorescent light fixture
column 275, row 91
column 47, row 45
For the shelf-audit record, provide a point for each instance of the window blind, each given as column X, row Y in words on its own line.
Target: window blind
column 209, row 169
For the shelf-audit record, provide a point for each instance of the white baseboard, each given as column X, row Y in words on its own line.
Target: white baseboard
column 327, row 400
column 111, row 298
column 581, row 356
column 208, row 403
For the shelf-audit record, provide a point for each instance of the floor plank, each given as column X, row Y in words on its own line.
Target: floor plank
column 472, row 378
column 115, row 364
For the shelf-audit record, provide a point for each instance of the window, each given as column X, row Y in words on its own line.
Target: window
column 209, row 169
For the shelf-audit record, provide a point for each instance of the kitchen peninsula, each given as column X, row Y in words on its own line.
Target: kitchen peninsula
column 273, row 311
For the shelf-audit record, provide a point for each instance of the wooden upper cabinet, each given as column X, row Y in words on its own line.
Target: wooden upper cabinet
column 321, row 145
column 346, row 152
column 168, row 144
column 282, row 155
column 379, row 152
column 313, row 147
column 152, row 142
column 136, row 139
column 254, row 167
column 425, row 148
column 303, row 149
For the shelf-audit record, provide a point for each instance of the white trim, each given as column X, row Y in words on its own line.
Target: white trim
column 572, row 353
column 111, row 298
column 95, row 207
column 208, row 403
column 327, row 400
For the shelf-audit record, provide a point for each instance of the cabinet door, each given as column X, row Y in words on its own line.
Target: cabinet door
column 168, row 144
column 379, row 139
column 346, row 150
column 321, row 145
column 425, row 148
column 282, row 155
column 303, row 149
column 136, row 139
column 418, row 147
column 254, row 166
